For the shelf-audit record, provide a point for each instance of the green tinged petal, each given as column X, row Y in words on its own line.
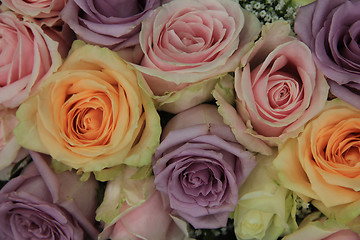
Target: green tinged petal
column 224, row 96
column 26, row 131
column 177, row 101
column 346, row 214
column 315, row 227
column 301, row 2
column 124, row 189
column 141, row 153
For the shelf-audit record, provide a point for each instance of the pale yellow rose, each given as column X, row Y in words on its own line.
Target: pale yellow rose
column 91, row 114
column 323, row 163
column 265, row 210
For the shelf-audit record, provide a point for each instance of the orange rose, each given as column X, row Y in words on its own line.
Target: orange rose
column 91, row 114
column 323, row 163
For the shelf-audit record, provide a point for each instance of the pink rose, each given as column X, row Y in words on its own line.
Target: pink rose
column 10, row 150
column 151, row 220
column 277, row 91
column 27, row 56
column 343, row 234
column 188, row 44
column 45, row 11
column 40, row 204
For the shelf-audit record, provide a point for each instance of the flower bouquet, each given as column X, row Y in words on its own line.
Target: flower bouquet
column 180, row 119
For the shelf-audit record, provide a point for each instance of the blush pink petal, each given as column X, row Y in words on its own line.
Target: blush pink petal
column 135, row 224
column 185, row 43
column 34, row 57
column 278, row 64
column 38, row 9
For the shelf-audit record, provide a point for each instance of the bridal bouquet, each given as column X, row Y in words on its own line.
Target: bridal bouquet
column 180, row 119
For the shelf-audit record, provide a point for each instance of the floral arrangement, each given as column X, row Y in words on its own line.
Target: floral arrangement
column 180, row 119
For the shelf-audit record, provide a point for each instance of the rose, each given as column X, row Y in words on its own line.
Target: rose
column 322, row 163
column 200, row 166
column 47, row 11
column 132, row 209
column 343, row 234
column 10, row 150
column 265, row 209
column 140, row 222
column 330, row 29
column 112, row 24
column 40, row 204
column 188, row 44
column 21, row 76
column 91, row 114
column 277, row 91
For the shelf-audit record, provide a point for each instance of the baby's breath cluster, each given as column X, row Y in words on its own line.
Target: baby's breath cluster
column 302, row 208
column 269, row 11
column 211, row 234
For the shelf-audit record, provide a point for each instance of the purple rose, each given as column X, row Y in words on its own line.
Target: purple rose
column 114, row 24
column 39, row 204
column 331, row 28
column 200, row 166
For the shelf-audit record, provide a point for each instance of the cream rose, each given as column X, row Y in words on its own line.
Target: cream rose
column 265, row 209
column 91, row 114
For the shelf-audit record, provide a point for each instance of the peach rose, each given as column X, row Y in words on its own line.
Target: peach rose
column 323, row 163
column 27, row 55
column 91, row 114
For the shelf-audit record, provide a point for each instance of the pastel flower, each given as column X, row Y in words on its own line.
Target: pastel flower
column 323, row 162
column 133, row 209
column 27, row 55
column 200, row 166
column 188, row 44
column 91, row 114
column 112, row 24
column 277, row 90
column 40, row 204
column 331, row 28
column 45, row 11
column 265, row 210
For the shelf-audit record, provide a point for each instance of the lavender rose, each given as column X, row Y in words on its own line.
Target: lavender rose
column 331, row 29
column 42, row 205
column 112, row 24
column 200, row 166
